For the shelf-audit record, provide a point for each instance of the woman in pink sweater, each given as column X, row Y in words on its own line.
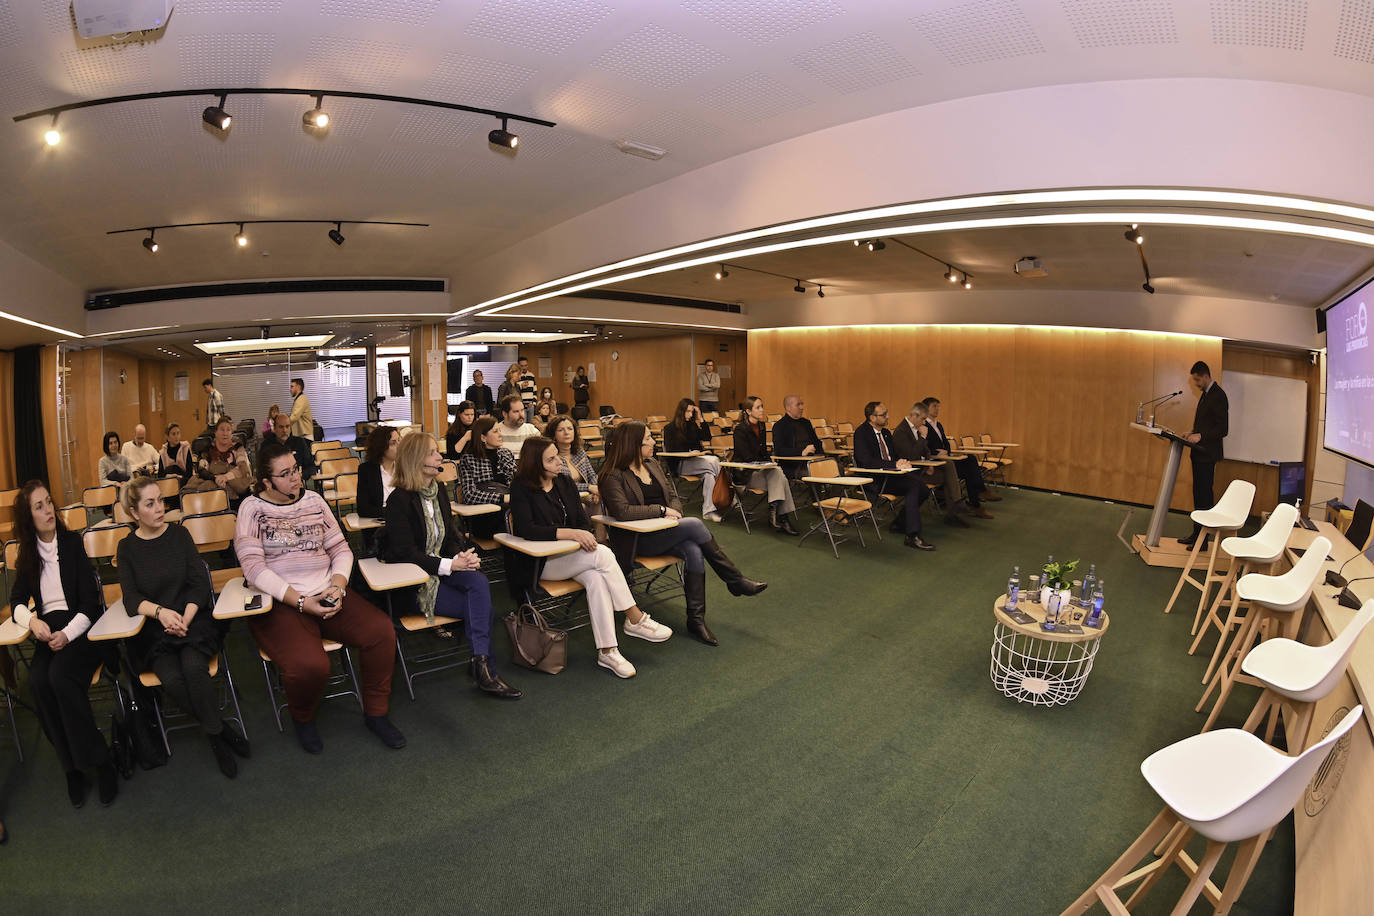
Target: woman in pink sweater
column 290, row 546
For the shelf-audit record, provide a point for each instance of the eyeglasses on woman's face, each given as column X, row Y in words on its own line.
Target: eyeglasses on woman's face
column 293, row 471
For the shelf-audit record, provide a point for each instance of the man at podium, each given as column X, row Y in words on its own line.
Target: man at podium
column 1210, row 425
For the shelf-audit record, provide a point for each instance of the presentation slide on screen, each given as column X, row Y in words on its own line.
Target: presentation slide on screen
column 1350, row 375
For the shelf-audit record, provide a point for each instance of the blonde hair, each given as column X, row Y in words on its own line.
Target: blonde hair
column 411, row 454
column 512, row 369
column 135, row 487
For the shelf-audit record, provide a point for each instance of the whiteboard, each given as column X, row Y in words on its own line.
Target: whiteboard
column 1268, row 417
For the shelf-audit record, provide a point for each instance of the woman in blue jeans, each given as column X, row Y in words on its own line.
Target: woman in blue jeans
column 633, row 486
column 420, row 530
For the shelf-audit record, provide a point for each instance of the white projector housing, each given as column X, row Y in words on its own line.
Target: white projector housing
column 1030, row 267
column 98, row 18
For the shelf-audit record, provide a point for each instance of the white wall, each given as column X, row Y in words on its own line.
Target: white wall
column 30, row 290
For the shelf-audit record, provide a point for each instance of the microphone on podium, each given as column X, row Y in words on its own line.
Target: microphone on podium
column 1140, row 408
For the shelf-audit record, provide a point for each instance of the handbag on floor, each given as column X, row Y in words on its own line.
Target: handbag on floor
column 535, row 644
column 723, row 493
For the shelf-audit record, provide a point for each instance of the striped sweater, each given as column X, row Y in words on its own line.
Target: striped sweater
column 298, row 545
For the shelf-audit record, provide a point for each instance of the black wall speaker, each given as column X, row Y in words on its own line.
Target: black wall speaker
column 1321, row 321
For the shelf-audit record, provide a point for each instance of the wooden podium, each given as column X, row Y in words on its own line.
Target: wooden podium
column 1150, row 546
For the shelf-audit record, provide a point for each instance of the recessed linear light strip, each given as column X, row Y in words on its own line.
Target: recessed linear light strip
column 1025, row 198
column 1214, row 221
column 38, row 324
column 667, row 324
column 992, row 327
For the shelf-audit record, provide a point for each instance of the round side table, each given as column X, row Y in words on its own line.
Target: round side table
column 1042, row 668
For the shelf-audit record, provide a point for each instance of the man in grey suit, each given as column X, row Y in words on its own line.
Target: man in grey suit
column 1211, row 423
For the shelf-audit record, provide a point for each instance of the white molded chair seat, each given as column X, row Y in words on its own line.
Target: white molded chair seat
column 1301, row 672
column 1289, row 591
column 1229, row 785
column 1231, row 510
column 1267, row 544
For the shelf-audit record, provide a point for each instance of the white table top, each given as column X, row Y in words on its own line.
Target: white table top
column 355, row 522
column 536, row 548
column 841, row 481
column 894, row 471
column 695, row 454
column 467, row 511
column 383, row 577
column 116, row 623
column 749, row 465
column 12, row 633
column 643, row 525
column 232, row 597
column 813, row 457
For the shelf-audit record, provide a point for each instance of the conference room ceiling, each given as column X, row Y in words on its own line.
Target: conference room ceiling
column 705, row 79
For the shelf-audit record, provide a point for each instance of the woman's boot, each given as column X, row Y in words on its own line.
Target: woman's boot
column 694, row 588
column 779, row 520
column 734, row 580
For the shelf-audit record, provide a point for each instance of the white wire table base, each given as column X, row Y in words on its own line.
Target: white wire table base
column 1040, row 671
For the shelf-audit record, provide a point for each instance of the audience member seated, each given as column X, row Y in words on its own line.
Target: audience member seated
column 576, row 465
column 793, row 435
column 114, row 465
column 751, row 444
column 420, row 530
column 480, row 395
column 174, row 458
column 513, row 428
column 688, row 432
column 223, row 465
column 57, row 596
column 636, row 488
column 376, row 471
column 581, row 389
column 545, row 397
column 141, row 453
column 271, row 415
column 874, row 448
column 300, row 447
column 967, row 466
column 464, row 415
column 485, row 472
column 544, row 507
column 290, row 546
column 163, row 578
column 507, row 388
column 912, row 441
column 544, row 411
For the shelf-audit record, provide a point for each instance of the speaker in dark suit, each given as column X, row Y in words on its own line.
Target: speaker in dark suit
column 1211, row 423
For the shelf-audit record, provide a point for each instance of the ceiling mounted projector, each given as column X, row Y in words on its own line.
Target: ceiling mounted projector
column 1030, row 267
column 98, row 18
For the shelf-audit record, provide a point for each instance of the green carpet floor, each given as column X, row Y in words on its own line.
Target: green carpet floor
column 842, row 751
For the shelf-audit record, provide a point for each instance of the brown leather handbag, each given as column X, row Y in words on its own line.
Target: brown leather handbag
column 723, row 493
column 535, row 644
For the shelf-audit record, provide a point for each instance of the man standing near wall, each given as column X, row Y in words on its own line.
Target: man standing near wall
column 529, row 386
column 302, row 420
column 214, row 407
column 708, row 386
column 479, row 394
column 1211, row 423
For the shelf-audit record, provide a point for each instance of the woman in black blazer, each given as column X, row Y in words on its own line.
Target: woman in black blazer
column 545, row 506
column 375, row 473
column 634, row 487
column 419, row 530
column 57, row 596
column 751, row 444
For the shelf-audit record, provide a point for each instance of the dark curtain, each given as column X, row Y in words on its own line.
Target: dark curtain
column 30, row 457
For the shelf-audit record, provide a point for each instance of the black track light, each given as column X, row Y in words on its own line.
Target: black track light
column 1134, row 235
column 316, row 117
column 503, row 137
column 52, row 136
column 799, row 288
column 858, row 242
column 335, row 235
column 1148, row 288
column 216, row 116
column 239, row 238
column 722, row 273
column 968, row 282
column 876, row 245
column 151, row 243
column 820, row 291
column 951, row 276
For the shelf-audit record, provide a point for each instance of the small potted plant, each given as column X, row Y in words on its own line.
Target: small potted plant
column 1057, row 577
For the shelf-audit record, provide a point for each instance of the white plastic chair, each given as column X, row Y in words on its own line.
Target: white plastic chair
column 1228, row 786
column 1301, row 675
column 1261, row 549
column 1229, row 514
column 1273, row 599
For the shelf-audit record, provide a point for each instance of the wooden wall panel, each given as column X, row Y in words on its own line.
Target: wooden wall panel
column 1067, row 395
column 651, row 376
column 123, row 407
column 190, row 412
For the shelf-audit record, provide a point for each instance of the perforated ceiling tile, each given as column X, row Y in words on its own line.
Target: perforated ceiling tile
column 1262, row 23
column 1355, row 31
column 548, row 26
column 435, row 125
column 57, row 14
column 855, row 63
column 581, row 105
column 1114, row 23
column 398, row 161
column 660, row 58
column 406, row 12
column 754, row 96
column 225, row 59
column 763, row 21
column 668, row 129
column 476, row 81
column 352, row 63
column 978, row 32
column 9, row 27
column 109, row 69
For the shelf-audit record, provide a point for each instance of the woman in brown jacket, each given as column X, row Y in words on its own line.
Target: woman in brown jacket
column 633, row 486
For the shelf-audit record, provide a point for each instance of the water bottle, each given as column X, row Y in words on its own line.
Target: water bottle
column 1052, row 610
column 1089, row 584
column 1095, row 615
column 1013, row 588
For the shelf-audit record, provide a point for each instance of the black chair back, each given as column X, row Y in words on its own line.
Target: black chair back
column 1361, row 526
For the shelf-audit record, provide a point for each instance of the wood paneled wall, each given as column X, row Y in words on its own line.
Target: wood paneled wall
column 650, row 377
column 1067, row 395
column 726, row 351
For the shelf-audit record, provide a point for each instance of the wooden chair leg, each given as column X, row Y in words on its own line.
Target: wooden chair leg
column 1213, row 618
column 1211, row 577
column 1263, row 706
column 1172, row 848
column 1235, row 621
column 1225, row 677
column 1247, row 855
column 1159, row 827
column 1183, row 576
column 1199, row 881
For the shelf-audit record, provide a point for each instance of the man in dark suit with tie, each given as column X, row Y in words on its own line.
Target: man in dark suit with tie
column 967, row 467
column 1211, row 423
column 913, row 442
column 873, row 448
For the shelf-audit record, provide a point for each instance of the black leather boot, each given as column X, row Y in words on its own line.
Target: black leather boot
column 780, row 522
column 734, row 580
column 694, row 588
column 224, row 756
column 488, row 681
